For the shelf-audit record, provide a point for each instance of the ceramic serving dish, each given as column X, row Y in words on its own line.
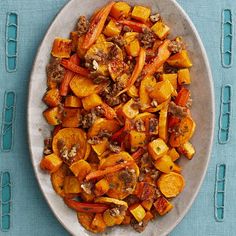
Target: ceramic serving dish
column 202, row 111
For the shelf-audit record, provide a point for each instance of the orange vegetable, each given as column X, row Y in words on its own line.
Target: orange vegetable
column 85, row 207
column 187, row 150
column 157, row 148
column 137, row 211
column 112, row 29
column 161, row 30
column 137, row 154
column 171, row 184
column 109, row 112
column 98, row 225
column 162, row 205
column 80, row 169
column 137, row 70
column 52, row 97
column 61, row 48
column 74, row 68
column 184, row 76
column 180, row 59
column 73, row 101
column 186, row 130
column 72, row 185
column 71, row 118
column 108, row 170
column 163, row 124
column 120, row 10
column 101, row 187
column 159, row 60
column 74, row 40
column 147, row 204
column 173, row 154
column 149, row 216
column 141, row 13
column 135, row 26
column 91, row 101
column 182, row 97
column 53, row 116
column 96, row 26
column 51, row 163
column 64, row 87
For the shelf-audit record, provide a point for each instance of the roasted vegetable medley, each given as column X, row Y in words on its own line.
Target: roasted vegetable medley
column 119, row 101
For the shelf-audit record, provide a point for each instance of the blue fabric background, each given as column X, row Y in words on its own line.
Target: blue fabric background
column 30, row 213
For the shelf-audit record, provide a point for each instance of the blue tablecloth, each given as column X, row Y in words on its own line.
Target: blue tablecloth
column 23, row 202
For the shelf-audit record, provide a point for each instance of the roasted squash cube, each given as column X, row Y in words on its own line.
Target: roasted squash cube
column 162, row 205
column 120, row 10
column 157, row 148
column 149, row 216
column 53, row 116
column 101, row 147
column 72, row 185
column 112, row 29
column 166, row 165
column 161, row 30
column 163, row 123
column 91, row 101
column 61, row 48
column 101, row 39
column 180, row 59
column 173, row 154
column 138, row 212
column 71, row 118
column 73, row 101
column 52, row 97
column 162, row 91
column 137, row 139
column 147, row 204
column 101, row 187
column 141, row 13
column 130, row 109
column 133, row 92
column 171, row 77
column 51, row 163
column 184, row 76
column 187, row 150
column 132, row 44
column 80, row 169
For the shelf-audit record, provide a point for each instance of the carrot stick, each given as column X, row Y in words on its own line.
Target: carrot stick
column 136, row 72
column 85, row 207
column 64, row 87
column 138, row 153
column 159, row 60
column 109, row 112
column 182, row 97
column 96, row 26
column 74, row 68
column 108, row 170
column 136, row 26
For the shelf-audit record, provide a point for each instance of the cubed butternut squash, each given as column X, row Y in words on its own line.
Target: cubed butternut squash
column 166, row 165
column 51, row 163
column 133, row 92
column 162, row 205
column 187, row 150
column 141, row 13
column 171, row 77
column 53, row 116
column 61, row 48
column 162, row 91
column 101, row 39
column 161, row 30
column 120, row 10
column 137, row 211
column 72, row 185
column 52, row 97
column 101, row 147
column 112, row 29
column 163, row 123
column 101, row 187
column 180, row 60
column 91, row 101
column 147, row 204
column 73, row 102
column 71, row 118
column 173, row 154
column 80, row 169
column 132, row 44
column 184, row 76
column 145, row 88
column 130, row 109
column 149, row 216
column 157, row 148
column 137, row 139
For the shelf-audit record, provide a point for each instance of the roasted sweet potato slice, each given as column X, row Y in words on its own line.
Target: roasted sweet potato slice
column 71, row 137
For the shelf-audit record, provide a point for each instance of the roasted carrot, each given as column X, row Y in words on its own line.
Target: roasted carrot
column 136, row 155
column 108, row 170
column 182, row 97
column 136, row 72
column 173, row 121
column 74, row 68
column 68, row 76
column 85, row 207
column 96, row 26
column 109, row 111
column 135, row 26
column 159, row 60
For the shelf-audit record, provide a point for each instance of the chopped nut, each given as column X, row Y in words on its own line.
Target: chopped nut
column 114, row 147
column 87, row 187
column 139, row 125
column 154, row 103
column 154, row 18
column 82, row 25
column 95, row 65
column 176, row 46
